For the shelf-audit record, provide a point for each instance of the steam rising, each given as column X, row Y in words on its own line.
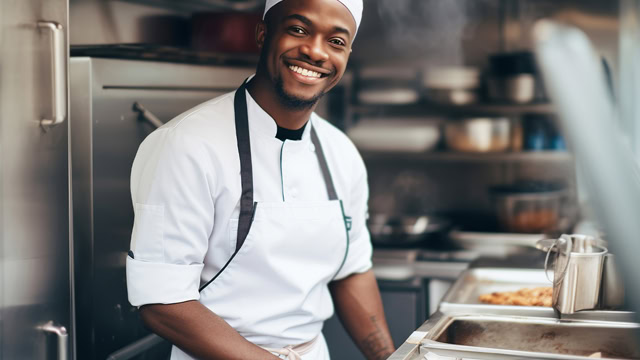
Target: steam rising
column 432, row 28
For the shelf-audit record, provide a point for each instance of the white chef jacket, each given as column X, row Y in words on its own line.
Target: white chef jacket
column 185, row 187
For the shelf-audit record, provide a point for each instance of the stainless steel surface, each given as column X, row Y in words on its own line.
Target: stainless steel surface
column 489, row 243
column 404, row 264
column 34, row 184
column 509, row 337
column 577, row 274
column 478, row 134
column 59, row 79
column 61, row 335
column 137, row 348
column 575, row 81
column 106, row 134
column 612, row 284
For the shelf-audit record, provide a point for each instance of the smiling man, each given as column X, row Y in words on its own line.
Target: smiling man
column 250, row 209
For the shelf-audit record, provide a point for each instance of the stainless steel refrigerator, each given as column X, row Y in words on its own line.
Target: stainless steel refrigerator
column 35, row 284
column 106, row 131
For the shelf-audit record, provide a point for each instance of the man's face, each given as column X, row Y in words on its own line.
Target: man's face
column 305, row 48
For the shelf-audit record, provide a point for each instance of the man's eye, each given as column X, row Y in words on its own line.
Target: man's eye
column 297, row 30
column 338, row 42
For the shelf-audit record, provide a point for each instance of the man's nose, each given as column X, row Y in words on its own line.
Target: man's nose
column 315, row 50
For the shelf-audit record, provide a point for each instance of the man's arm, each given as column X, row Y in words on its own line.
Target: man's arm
column 199, row 332
column 359, row 307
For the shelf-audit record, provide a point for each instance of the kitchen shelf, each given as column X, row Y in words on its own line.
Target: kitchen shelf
column 202, row 5
column 430, row 108
column 449, row 156
column 163, row 53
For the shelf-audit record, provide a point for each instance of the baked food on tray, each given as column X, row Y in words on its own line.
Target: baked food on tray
column 539, row 296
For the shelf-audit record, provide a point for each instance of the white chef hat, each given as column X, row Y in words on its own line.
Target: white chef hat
column 354, row 7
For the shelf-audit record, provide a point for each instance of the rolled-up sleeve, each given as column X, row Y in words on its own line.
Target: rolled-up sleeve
column 358, row 258
column 172, row 186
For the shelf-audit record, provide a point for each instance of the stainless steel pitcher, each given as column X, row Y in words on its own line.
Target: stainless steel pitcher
column 578, row 273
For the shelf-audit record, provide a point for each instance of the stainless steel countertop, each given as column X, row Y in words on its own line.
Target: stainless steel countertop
column 404, row 264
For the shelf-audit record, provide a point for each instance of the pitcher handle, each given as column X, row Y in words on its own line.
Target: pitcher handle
column 558, row 279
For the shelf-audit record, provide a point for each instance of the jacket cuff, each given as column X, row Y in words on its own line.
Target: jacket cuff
column 159, row 283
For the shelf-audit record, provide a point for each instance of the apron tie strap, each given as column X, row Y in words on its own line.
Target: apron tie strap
column 295, row 352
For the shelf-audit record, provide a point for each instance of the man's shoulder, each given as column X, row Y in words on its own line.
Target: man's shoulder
column 205, row 126
column 214, row 113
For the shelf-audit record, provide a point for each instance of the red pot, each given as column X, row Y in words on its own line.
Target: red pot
column 229, row 32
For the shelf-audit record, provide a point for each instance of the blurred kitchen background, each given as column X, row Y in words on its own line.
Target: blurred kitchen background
column 443, row 99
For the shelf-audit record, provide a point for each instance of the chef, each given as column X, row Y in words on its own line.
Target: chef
column 250, row 209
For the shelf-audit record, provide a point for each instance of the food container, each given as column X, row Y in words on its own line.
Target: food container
column 396, row 134
column 530, row 207
column 512, row 77
column 454, row 85
column 519, row 88
column 478, row 134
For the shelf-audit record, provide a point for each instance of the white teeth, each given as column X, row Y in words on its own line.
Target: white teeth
column 304, row 72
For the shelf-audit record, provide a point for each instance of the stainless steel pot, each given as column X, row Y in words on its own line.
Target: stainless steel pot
column 478, row 134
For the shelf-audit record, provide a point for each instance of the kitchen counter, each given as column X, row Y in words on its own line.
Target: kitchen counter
column 405, row 264
column 450, row 334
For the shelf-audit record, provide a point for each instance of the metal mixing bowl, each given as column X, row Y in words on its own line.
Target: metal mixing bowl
column 478, row 134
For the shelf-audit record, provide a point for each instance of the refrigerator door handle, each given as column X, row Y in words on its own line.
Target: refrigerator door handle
column 147, row 115
column 58, row 73
column 63, row 338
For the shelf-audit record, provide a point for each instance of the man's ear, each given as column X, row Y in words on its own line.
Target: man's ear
column 261, row 33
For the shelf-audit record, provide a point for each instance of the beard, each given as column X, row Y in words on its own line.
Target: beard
column 290, row 101
column 294, row 102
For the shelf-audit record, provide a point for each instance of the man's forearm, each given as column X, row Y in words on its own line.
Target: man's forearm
column 199, row 332
column 358, row 304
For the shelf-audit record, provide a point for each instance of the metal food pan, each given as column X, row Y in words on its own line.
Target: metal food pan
column 514, row 337
column 463, row 295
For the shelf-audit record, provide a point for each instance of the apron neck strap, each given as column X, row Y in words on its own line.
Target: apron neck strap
column 326, row 174
column 246, row 168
